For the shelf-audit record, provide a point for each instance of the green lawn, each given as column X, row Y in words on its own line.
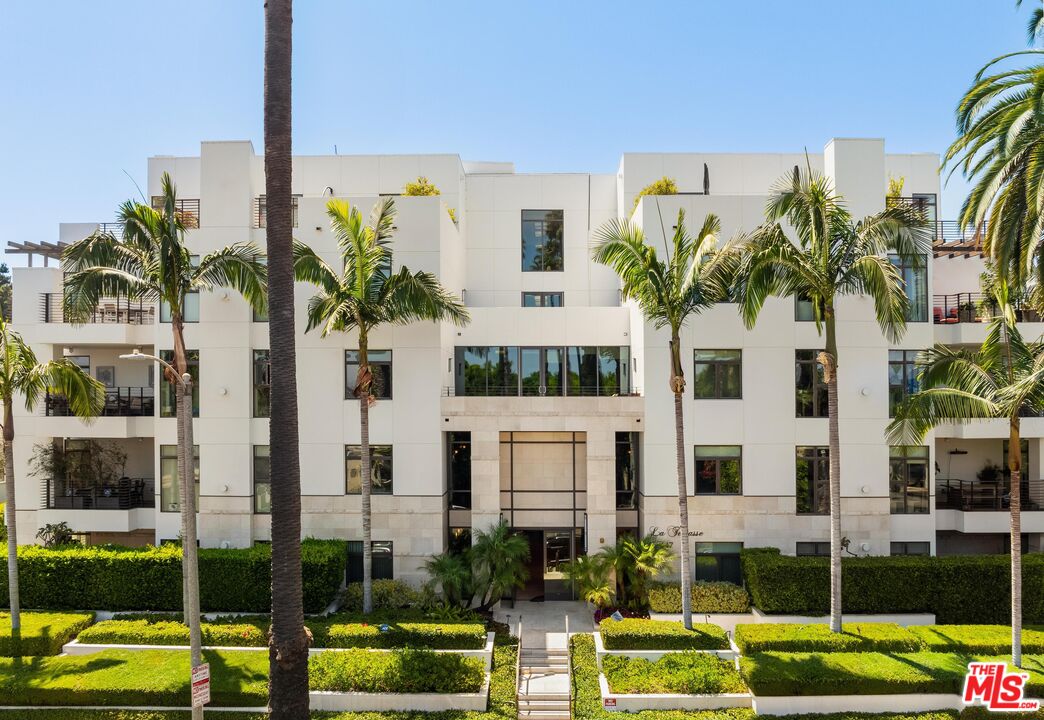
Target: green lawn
column 42, row 633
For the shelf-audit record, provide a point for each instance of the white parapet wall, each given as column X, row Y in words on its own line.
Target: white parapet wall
column 622, row 702
column 383, row 702
column 904, row 702
column 729, row 621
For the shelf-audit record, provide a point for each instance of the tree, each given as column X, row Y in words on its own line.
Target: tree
column 5, row 292
column 498, row 557
column 362, row 298
column 691, row 279
column 635, row 562
column 22, row 374
column 1004, row 378
column 832, row 257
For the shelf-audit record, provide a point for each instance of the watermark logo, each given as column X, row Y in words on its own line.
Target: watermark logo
column 990, row 684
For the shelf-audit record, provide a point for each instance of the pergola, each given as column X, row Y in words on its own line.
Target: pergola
column 49, row 251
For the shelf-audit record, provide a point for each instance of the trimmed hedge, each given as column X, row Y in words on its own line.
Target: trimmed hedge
column 165, row 632
column 433, row 636
column 707, row 597
column 41, row 633
column 638, row 634
column 959, row 590
column 687, row 673
column 387, row 595
column 981, row 639
column 855, row 637
column 114, row 578
column 400, row 671
column 773, row 673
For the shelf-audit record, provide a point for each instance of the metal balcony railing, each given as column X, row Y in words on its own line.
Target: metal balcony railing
column 187, row 210
column 122, row 494
column 260, row 213
column 110, row 310
column 119, row 402
column 970, row 308
column 543, row 391
column 975, row 496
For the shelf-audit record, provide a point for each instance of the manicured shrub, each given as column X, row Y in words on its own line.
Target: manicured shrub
column 663, row 186
column 980, row 639
column 435, row 636
column 687, row 673
column 387, row 595
column 115, row 578
column 635, row 634
column 855, row 637
column 42, row 633
column 165, row 632
column 399, row 671
column 707, row 597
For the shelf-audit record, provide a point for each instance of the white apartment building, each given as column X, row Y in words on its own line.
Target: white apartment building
column 551, row 409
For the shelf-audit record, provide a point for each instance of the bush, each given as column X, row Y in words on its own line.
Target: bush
column 435, row 636
column 981, row 639
column 707, row 597
column 855, row 637
column 663, row 186
column 637, row 634
column 387, row 595
column 165, row 632
column 115, row 578
column 863, row 673
column 688, row 673
column 959, row 589
column 42, row 633
column 399, row 671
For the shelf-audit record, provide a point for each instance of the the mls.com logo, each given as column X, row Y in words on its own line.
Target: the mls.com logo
column 990, row 684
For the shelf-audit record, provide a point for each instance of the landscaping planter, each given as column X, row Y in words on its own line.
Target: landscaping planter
column 384, row 702
column 898, row 703
column 731, row 654
column 648, row 701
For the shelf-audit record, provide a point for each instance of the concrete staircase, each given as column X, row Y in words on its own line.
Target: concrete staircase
column 544, row 684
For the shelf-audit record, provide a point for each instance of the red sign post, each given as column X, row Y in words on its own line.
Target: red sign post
column 201, row 685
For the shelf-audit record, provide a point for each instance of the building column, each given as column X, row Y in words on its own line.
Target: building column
column 601, row 489
column 485, row 479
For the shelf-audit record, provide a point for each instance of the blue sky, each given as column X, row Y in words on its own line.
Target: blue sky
column 90, row 90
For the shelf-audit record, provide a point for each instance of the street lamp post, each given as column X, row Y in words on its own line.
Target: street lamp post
column 187, row 487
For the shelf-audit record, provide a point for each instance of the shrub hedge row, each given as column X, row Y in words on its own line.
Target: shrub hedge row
column 434, row 636
column 687, row 673
column 638, row 634
column 113, row 578
column 42, row 633
column 165, row 632
column 400, row 671
column 387, row 595
column 959, row 590
column 855, row 637
column 707, row 597
column 980, row 639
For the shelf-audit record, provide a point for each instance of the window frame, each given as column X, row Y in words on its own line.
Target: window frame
column 819, row 463
column 719, row 556
column 349, row 376
column 904, row 546
column 355, row 556
column 901, row 454
column 257, row 366
column 374, row 448
column 168, row 405
column 267, row 454
column 717, row 459
column 630, row 462
column 455, row 440
column 718, row 366
column 172, row 454
column 907, row 364
column 543, row 296
column 544, row 221
column 917, row 310
column 818, row 391
column 819, row 548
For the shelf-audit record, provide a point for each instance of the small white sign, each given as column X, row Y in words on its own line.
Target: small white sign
column 201, row 685
column 609, row 704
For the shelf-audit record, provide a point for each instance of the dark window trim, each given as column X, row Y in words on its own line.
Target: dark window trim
column 902, row 547
column 255, row 369
column 909, row 372
column 522, row 237
column 455, row 439
column 348, row 395
column 716, row 459
column 630, row 440
column 166, row 388
column 917, row 312
column 253, row 474
column 544, row 295
column 818, row 548
column 818, row 386
column 819, row 461
column 373, row 488
column 717, row 365
column 177, row 485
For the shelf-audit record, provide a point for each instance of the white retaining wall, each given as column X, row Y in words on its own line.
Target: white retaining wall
column 637, row 703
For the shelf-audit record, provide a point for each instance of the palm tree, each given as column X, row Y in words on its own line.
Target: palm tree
column 22, row 374
column 1004, row 378
column 365, row 296
column 832, row 257
column 288, row 647
column 635, row 562
column 498, row 557
column 669, row 291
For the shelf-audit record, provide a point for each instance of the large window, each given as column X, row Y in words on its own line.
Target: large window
column 380, row 469
column 813, row 481
column 170, row 492
column 908, row 479
column 262, row 384
column 902, row 377
column 542, row 299
column 262, row 479
column 459, row 455
column 603, row 371
column 626, row 471
column 812, row 549
column 542, row 233
column 914, row 271
column 911, row 548
column 719, row 561
column 718, row 374
column 380, row 362
column 810, row 388
column 381, row 567
column 543, row 371
column 168, row 399
column 718, row 470
column 190, row 309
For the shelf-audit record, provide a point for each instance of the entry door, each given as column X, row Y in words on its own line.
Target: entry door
column 558, row 550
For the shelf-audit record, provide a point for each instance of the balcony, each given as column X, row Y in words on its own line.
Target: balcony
column 972, row 308
column 502, row 391
column 109, row 311
column 119, row 402
column 260, row 212
column 975, row 496
column 123, row 494
column 186, row 210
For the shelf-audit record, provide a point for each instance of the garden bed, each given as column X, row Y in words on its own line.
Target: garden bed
column 601, row 652
column 854, row 637
column 981, row 639
column 42, row 633
column 637, row 634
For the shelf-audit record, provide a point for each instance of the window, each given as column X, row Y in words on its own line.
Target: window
column 902, row 377
column 380, row 469
column 256, row 316
column 168, row 400
column 810, row 388
column 542, row 299
column 813, row 481
column 719, row 561
column 717, row 470
column 459, row 453
column 914, row 271
column 717, row 374
column 542, row 233
column 262, row 384
column 926, row 203
column 170, row 493
column 602, row 371
column 261, row 210
column 190, row 309
column 380, row 362
column 81, row 361
column 626, row 471
column 908, row 479
column 262, row 479
column 539, row 371
column 803, row 309
column 459, row 540
column 542, row 371
column 381, row 567
column 812, row 549
column 911, row 548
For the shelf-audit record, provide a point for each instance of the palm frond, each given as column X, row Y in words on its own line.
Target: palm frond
column 240, row 266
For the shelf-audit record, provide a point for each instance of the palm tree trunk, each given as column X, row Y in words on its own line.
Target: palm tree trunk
column 1015, row 504
column 288, row 648
column 180, row 363
column 363, row 391
column 189, row 545
column 828, row 360
column 10, row 519
column 678, row 388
